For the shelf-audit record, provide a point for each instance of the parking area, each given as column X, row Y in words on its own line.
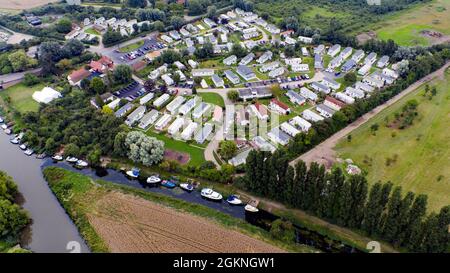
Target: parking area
column 131, row 92
column 149, row 45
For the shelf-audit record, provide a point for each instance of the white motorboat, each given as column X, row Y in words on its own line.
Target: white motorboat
column 14, row 141
column 71, row 159
column 252, row 206
column 210, row 194
column 153, row 179
column 8, row 131
column 187, row 186
column 1, row 120
column 57, row 157
column 4, row 126
column 23, row 147
column 234, row 200
column 82, row 164
column 134, row 173
column 29, row 152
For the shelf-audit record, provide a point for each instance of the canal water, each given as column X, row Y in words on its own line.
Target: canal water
column 51, row 230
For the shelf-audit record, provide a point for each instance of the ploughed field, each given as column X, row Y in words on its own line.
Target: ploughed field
column 23, row 4
column 115, row 218
column 132, row 224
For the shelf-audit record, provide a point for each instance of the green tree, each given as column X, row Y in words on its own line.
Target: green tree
column 233, row 95
column 71, row 149
column 63, row 26
column 97, row 86
column 350, row 78
column 122, row 74
column 227, row 149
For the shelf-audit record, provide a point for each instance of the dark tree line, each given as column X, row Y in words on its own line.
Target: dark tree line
column 381, row 211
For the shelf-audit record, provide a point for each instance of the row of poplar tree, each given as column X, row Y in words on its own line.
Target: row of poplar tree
column 381, row 212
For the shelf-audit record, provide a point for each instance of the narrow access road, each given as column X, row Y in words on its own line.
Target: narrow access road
column 324, row 152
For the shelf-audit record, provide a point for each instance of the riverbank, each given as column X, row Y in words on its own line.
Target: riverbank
column 93, row 205
column 51, row 228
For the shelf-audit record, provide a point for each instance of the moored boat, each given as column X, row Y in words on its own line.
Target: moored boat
column 71, row 159
column 134, row 173
column 153, row 179
column 14, row 141
column 57, row 157
column 210, row 194
column 23, row 147
column 29, row 152
column 82, row 164
column 234, row 200
column 187, row 186
column 252, row 206
column 8, row 131
column 168, row 184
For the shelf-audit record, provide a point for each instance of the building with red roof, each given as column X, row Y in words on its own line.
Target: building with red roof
column 333, row 103
column 279, row 107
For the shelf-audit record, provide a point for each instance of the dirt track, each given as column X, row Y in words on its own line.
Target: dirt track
column 132, row 224
column 23, row 4
column 324, row 152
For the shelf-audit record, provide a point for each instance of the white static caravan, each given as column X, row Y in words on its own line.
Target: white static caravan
column 354, row 93
column 344, row 97
column 364, row 87
column 300, row 123
column 135, row 116
column 308, row 94
column 173, row 106
column 204, row 133
column 311, row 116
column 289, row 129
column 162, row 122
column 189, row 131
column 149, row 119
column 161, row 100
column 146, row 98
column 365, row 69
column 175, row 127
column 200, row 110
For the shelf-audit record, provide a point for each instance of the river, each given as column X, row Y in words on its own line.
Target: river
column 51, row 229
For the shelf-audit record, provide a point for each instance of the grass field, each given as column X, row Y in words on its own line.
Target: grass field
column 131, row 47
column 422, row 150
column 21, row 97
column 405, row 27
column 197, row 154
column 92, row 31
column 212, row 98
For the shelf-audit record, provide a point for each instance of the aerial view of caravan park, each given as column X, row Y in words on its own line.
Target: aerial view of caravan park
column 272, row 128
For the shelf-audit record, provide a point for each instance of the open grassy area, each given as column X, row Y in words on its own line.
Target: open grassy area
column 421, row 152
column 131, row 47
column 405, row 27
column 92, row 31
column 82, row 198
column 196, row 154
column 20, row 97
column 212, row 98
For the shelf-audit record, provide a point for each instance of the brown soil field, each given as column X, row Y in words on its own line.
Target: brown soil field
column 23, row 4
column 131, row 224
